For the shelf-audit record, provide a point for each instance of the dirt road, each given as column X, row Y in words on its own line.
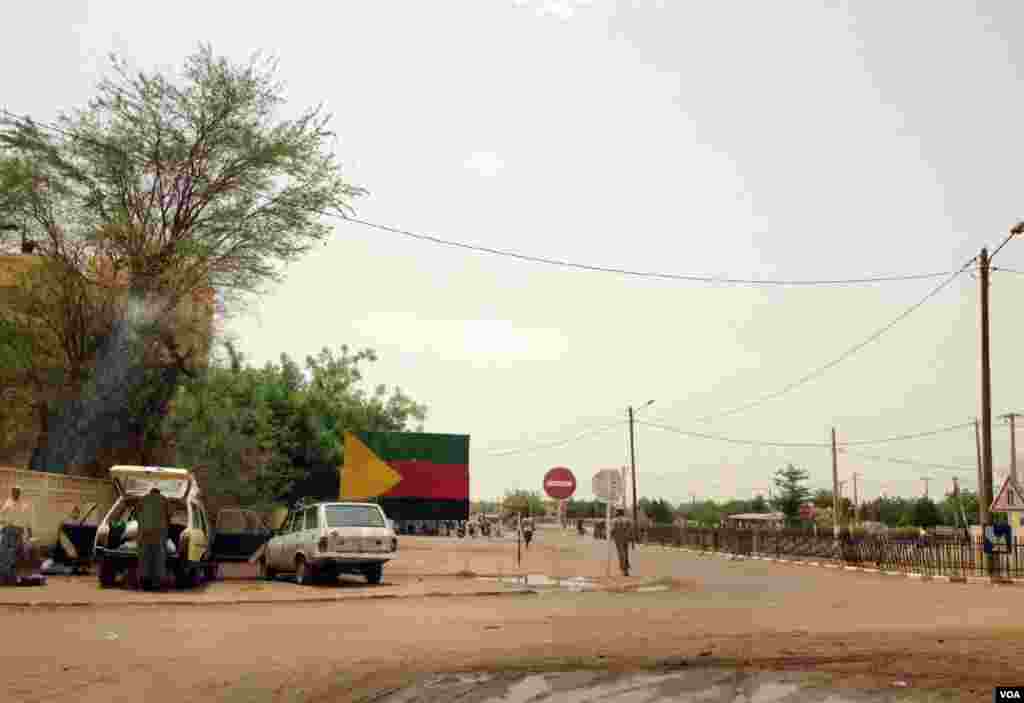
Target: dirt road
column 857, row 627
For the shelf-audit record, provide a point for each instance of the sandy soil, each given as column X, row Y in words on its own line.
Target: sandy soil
column 859, row 628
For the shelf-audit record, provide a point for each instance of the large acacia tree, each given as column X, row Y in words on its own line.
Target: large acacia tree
column 173, row 186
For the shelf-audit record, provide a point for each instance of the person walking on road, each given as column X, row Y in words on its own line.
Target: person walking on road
column 527, row 531
column 153, row 523
column 621, row 531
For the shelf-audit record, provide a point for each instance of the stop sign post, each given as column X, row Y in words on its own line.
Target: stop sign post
column 559, row 483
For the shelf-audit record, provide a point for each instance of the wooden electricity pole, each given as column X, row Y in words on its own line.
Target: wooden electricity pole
column 856, row 503
column 926, row 479
column 985, row 488
column 982, row 505
column 1013, row 442
column 835, row 487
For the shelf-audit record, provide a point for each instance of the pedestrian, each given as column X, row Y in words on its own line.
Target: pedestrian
column 527, row 531
column 16, row 519
column 154, row 520
column 621, row 532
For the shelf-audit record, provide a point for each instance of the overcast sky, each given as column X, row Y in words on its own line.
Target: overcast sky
column 797, row 140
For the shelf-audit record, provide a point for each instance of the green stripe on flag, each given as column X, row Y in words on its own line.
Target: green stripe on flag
column 405, row 446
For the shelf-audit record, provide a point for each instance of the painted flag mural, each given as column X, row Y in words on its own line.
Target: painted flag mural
column 415, row 475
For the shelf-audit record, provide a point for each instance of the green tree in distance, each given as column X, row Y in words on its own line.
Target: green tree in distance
column 524, row 502
column 791, row 492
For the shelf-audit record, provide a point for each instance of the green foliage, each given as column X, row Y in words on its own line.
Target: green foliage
column 180, row 182
column 524, row 502
column 925, row 513
column 792, row 493
column 263, row 433
column 660, row 511
column 172, row 188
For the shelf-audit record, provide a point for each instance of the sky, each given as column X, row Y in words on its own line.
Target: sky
column 798, row 140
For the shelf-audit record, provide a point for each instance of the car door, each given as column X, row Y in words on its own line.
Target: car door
column 311, row 531
column 278, row 544
column 291, row 541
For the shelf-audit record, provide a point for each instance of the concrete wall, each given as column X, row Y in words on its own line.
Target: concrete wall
column 53, row 496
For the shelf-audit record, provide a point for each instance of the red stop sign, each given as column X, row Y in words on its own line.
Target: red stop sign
column 559, row 483
column 807, row 511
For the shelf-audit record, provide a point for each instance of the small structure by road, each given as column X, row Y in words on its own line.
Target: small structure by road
column 746, row 521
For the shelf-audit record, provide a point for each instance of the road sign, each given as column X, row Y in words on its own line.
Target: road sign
column 807, row 511
column 559, row 483
column 607, row 484
column 1009, row 499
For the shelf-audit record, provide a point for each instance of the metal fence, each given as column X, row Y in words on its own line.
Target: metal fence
column 955, row 556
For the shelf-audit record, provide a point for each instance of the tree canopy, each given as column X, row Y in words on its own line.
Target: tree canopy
column 179, row 192
column 275, row 433
column 792, row 492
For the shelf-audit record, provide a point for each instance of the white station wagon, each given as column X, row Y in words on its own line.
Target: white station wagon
column 319, row 541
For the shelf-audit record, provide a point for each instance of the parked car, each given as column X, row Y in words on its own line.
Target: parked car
column 190, row 539
column 320, row 541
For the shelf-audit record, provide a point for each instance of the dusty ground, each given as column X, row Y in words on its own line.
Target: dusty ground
column 859, row 629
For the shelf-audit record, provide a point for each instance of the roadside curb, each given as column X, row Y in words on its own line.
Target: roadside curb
column 260, row 601
column 937, row 578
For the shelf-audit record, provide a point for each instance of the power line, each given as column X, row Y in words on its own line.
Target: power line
column 909, row 462
column 731, row 440
column 774, row 443
column 692, row 278
column 900, row 438
column 806, row 378
column 561, row 443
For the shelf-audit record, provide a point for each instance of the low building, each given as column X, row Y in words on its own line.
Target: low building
column 747, row 521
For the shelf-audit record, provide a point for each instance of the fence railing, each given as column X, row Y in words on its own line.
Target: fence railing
column 956, row 556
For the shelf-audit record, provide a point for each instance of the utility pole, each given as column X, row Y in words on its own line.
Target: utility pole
column 856, row 503
column 1013, row 442
column 835, row 487
column 926, row 479
column 986, row 395
column 982, row 505
column 632, row 463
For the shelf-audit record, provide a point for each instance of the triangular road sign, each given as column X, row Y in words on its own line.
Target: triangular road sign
column 1010, row 497
column 364, row 474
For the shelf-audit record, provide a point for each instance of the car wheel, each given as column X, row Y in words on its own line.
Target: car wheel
column 304, row 575
column 327, row 576
column 265, row 572
column 374, row 574
column 107, row 574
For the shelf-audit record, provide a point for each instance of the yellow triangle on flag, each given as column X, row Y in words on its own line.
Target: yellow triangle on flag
column 364, row 474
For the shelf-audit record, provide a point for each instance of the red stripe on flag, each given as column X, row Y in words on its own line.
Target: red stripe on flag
column 424, row 479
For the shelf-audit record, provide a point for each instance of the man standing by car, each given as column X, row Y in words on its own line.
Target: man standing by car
column 16, row 519
column 153, row 522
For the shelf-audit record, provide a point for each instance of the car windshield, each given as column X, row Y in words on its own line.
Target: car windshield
column 353, row 516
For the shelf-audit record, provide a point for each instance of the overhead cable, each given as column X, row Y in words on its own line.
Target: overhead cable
column 808, row 377
column 776, row 443
column 692, row 278
column 910, row 462
column 561, row 443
